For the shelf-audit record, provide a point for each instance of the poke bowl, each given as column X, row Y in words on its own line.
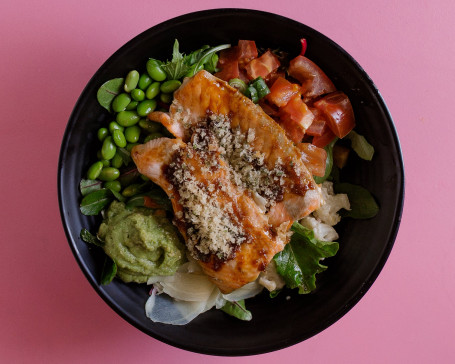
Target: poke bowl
column 364, row 244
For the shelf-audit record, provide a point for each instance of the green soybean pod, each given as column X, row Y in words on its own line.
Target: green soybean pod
column 102, row 134
column 113, row 185
column 120, row 102
column 137, row 94
column 109, row 174
column 108, row 148
column 146, row 107
column 144, row 81
column 149, row 126
column 132, row 105
column 105, row 162
column 166, row 98
column 132, row 134
column 155, row 71
column 153, row 90
column 95, row 170
column 117, row 160
column 130, row 146
column 131, row 80
column 170, row 86
column 132, row 190
column 119, row 138
column 115, row 126
column 152, row 136
column 128, row 118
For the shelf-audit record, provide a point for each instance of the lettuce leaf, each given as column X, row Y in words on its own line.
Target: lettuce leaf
column 238, row 310
column 299, row 262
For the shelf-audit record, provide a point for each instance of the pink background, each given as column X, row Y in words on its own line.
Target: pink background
column 48, row 51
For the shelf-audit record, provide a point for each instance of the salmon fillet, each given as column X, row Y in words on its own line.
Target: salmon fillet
column 223, row 227
column 279, row 177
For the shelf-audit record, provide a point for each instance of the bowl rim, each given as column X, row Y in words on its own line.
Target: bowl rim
column 204, row 14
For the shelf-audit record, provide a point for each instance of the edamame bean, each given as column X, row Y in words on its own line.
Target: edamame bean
column 130, row 146
column 105, row 162
column 144, row 81
column 132, row 190
column 146, row 107
column 119, row 138
column 166, row 98
column 131, row 80
column 113, row 185
column 170, row 86
column 137, row 94
column 94, row 170
column 109, row 174
column 132, row 133
column 128, row 118
column 132, row 105
column 152, row 136
column 108, row 148
column 155, row 71
column 117, row 161
column 102, row 134
column 149, row 126
column 115, row 126
column 120, row 102
column 153, row 90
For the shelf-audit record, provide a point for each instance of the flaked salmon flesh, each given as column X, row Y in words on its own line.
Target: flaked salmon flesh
column 232, row 161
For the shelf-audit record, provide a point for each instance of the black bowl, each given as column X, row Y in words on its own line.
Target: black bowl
column 364, row 244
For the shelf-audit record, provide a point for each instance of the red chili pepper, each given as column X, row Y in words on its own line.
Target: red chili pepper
column 304, row 45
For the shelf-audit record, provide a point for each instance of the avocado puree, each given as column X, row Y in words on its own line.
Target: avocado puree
column 141, row 243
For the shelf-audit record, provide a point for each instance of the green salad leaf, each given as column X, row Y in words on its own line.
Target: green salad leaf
column 363, row 204
column 328, row 162
column 109, row 270
column 89, row 185
column 299, row 262
column 88, row 237
column 108, row 90
column 360, row 145
column 94, row 202
column 175, row 68
column 238, row 310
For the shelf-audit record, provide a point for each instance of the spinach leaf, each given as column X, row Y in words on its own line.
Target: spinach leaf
column 360, row 145
column 118, row 195
column 238, row 310
column 363, row 204
column 89, row 185
column 94, row 202
column 125, row 155
column 109, row 270
column 328, row 162
column 108, row 91
column 88, row 237
column 208, row 53
column 299, row 262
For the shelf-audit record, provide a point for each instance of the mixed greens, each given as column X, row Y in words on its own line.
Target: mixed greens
column 114, row 177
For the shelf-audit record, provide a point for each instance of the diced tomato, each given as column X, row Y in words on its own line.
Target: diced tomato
column 282, row 91
column 295, row 118
column 326, row 137
column 314, row 158
column 314, row 81
column 273, row 76
column 228, row 55
column 262, row 66
column 268, row 109
column 247, row 52
column 338, row 110
column 340, row 155
column 229, row 71
column 317, row 126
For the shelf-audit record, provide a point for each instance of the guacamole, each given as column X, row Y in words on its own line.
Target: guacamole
column 141, row 243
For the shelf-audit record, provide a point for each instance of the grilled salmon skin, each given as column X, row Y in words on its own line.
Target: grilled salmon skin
column 277, row 170
column 223, row 228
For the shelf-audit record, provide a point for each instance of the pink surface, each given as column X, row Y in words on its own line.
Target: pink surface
column 48, row 51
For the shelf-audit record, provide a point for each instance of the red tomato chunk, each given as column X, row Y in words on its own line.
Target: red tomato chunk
column 282, row 91
column 262, row 66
